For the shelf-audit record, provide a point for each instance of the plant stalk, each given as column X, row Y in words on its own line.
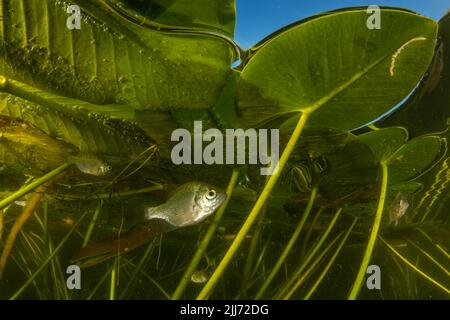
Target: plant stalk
column 207, row 238
column 330, row 263
column 373, row 234
column 92, row 224
column 28, row 188
column 290, row 244
column 207, row 289
column 311, row 255
column 47, row 260
column 410, row 264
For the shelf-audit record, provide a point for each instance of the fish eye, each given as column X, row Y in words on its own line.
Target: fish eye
column 211, row 194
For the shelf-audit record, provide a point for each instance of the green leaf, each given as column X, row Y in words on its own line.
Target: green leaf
column 336, row 67
column 74, row 121
column 407, row 188
column 415, row 157
column 316, row 141
column 366, row 207
column 224, row 110
column 428, row 110
column 110, row 60
column 385, row 142
column 26, row 149
column 351, row 169
column 219, row 15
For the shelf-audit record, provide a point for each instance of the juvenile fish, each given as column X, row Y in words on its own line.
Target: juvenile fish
column 200, row 276
column 398, row 209
column 188, row 205
column 90, row 164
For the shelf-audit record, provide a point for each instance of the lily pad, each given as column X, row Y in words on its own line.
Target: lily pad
column 110, row 59
column 349, row 170
column 366, row 207
column 415, row 157
column 428, row 109
column 336, row 67
column 385, row 142
column 217, row 15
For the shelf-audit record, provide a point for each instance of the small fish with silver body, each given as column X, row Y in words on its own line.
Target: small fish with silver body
column 90, row 164
column 399, row 208
column 21, row 203
column 200, row 276
column 191, row 203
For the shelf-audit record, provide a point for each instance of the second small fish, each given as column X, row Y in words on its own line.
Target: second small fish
column 398, row 208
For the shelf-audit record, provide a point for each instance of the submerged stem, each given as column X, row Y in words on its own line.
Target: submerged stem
column 247, row 272
column 112, row 288
column 308, row 259
column 410, row 264
column 426, row 254
column 2, row 216
column 19, row 223
column 207, row 238
column 373, row 234
column 290, row 244
column 256, row 208
column 92, row 224
column 312, row 267
column 108, row 195
column 438, row 246
column 137, row 269
column 330, row 263
column 48, row 259
column 38, row 182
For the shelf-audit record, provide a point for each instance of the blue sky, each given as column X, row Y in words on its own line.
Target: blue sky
column 259, row 18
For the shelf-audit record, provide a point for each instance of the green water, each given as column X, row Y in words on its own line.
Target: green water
column 115, row 90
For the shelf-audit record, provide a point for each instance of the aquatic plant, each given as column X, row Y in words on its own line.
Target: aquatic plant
column 355, row 129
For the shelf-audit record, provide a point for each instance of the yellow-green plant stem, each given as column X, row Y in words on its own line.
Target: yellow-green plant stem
column 27, row 212
column 290, row 244
column 2, row 215
column 206, row 239
column 438, row 246
column 317, row 216
column 152, row 149
column 112, row 287
column 312, row 267
column 247, row 272
column 373, row 234
column 309, row 257
column 153, row 282
column 410, row 264
column 426, row 254
column 30, row 187
column 108, row 195
column 48, row 259
column 330, row 262
column 137, row 270
column 256, row 208
column 92, row 224
column 99, row 284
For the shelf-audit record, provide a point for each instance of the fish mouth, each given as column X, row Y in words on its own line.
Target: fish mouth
column 221, row 197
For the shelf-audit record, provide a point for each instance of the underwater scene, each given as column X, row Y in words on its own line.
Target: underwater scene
column 177, row 149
